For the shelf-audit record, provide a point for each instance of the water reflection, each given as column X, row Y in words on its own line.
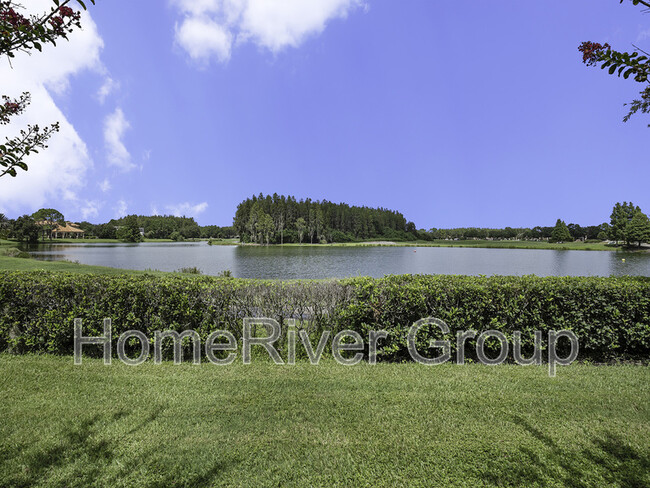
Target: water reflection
column 340, row 262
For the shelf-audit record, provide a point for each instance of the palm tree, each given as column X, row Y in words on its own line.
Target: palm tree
column 4, row 221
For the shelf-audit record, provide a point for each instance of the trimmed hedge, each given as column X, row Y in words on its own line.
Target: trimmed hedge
column 610, row 316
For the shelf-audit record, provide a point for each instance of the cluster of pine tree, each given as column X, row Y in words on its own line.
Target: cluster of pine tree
column 279, row 219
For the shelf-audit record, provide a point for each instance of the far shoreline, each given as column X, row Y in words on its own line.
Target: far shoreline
column 477, row 244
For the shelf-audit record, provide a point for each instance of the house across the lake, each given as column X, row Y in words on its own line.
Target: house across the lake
column 65, row 230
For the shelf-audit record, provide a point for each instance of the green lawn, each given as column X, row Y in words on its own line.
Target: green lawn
column 328, row 425
column 19, row 264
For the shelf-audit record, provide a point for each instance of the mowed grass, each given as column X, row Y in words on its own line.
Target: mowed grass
column 19, row 264
column 327, row 425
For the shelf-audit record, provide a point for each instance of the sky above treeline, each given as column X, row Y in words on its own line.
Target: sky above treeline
column 457, row 114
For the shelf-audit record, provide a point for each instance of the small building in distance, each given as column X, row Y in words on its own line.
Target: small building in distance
column 66, row 230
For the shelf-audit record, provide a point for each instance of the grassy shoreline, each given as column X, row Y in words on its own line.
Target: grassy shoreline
column 326, row 425
column 484, row 244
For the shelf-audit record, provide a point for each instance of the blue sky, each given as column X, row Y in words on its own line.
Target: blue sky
column 461, row 113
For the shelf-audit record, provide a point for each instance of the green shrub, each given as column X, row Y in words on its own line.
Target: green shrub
column 14, row 252
column 177, row 236
column 610, row 316
column 191, row 270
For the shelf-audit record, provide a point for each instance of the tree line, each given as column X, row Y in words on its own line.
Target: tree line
column 132, row 228
column 280, row 219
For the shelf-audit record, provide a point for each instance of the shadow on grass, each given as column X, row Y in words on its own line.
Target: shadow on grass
column 83, row 454
column 606, row 461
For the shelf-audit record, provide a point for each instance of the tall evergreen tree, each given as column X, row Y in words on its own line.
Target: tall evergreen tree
column 560, row 232
column 621, row 216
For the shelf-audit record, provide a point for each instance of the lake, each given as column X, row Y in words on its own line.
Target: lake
column 340, row 262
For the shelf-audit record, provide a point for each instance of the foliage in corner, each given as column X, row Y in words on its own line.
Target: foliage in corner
column 23, row 33
column 635, row 65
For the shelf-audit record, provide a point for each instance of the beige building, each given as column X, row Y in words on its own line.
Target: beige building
column 68, row 230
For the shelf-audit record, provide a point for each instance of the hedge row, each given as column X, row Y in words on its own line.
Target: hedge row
column 610, row 316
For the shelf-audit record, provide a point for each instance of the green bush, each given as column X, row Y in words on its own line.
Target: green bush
column 191, row 270
column 177, row 237
column 610, row 316
column 14, row 252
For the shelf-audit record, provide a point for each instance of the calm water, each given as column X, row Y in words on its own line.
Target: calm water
column 340, row 262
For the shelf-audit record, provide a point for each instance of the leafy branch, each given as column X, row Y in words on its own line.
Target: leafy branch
column 13, row 152
column 623, row 64
column 20, row 33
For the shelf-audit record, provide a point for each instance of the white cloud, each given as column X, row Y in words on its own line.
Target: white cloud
column 59, row 171
column 105, row 185
column 120, row 209
column 209, row 28
column 186, row 209
column 203, row 38
column 108, row 87
column 115, row 126
column 90, row 210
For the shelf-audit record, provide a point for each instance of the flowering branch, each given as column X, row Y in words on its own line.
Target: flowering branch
column 21, row 33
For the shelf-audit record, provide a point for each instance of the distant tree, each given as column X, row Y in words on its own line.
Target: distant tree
column 279, row 217
column 576, row 231
column 621, row 216
column 49, row 219
column 301, row 226
column 106, row 231
column 21, row 33
column 5, row 224
column 560, row 232
column 319, row 223
column 253, row 220
column 321, row 219
column 638, row 228
column 130, row 231
column 87, row 227
column 311, row 225
column 24, row 229
column 265, row 227
column 176, row 236
column 624, row 64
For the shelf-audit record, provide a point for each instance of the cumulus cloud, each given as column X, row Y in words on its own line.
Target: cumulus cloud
column 90, row 210
column 204, row 38
column 115, row 126
column 120, row 209
column 186, row 209
column 105, row 185
column 59, row 171
column 209, row 28
column 108, row 87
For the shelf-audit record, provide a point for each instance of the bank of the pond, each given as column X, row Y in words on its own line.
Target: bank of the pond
column 22, row 264
column 469, row 243
column 484, row 244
